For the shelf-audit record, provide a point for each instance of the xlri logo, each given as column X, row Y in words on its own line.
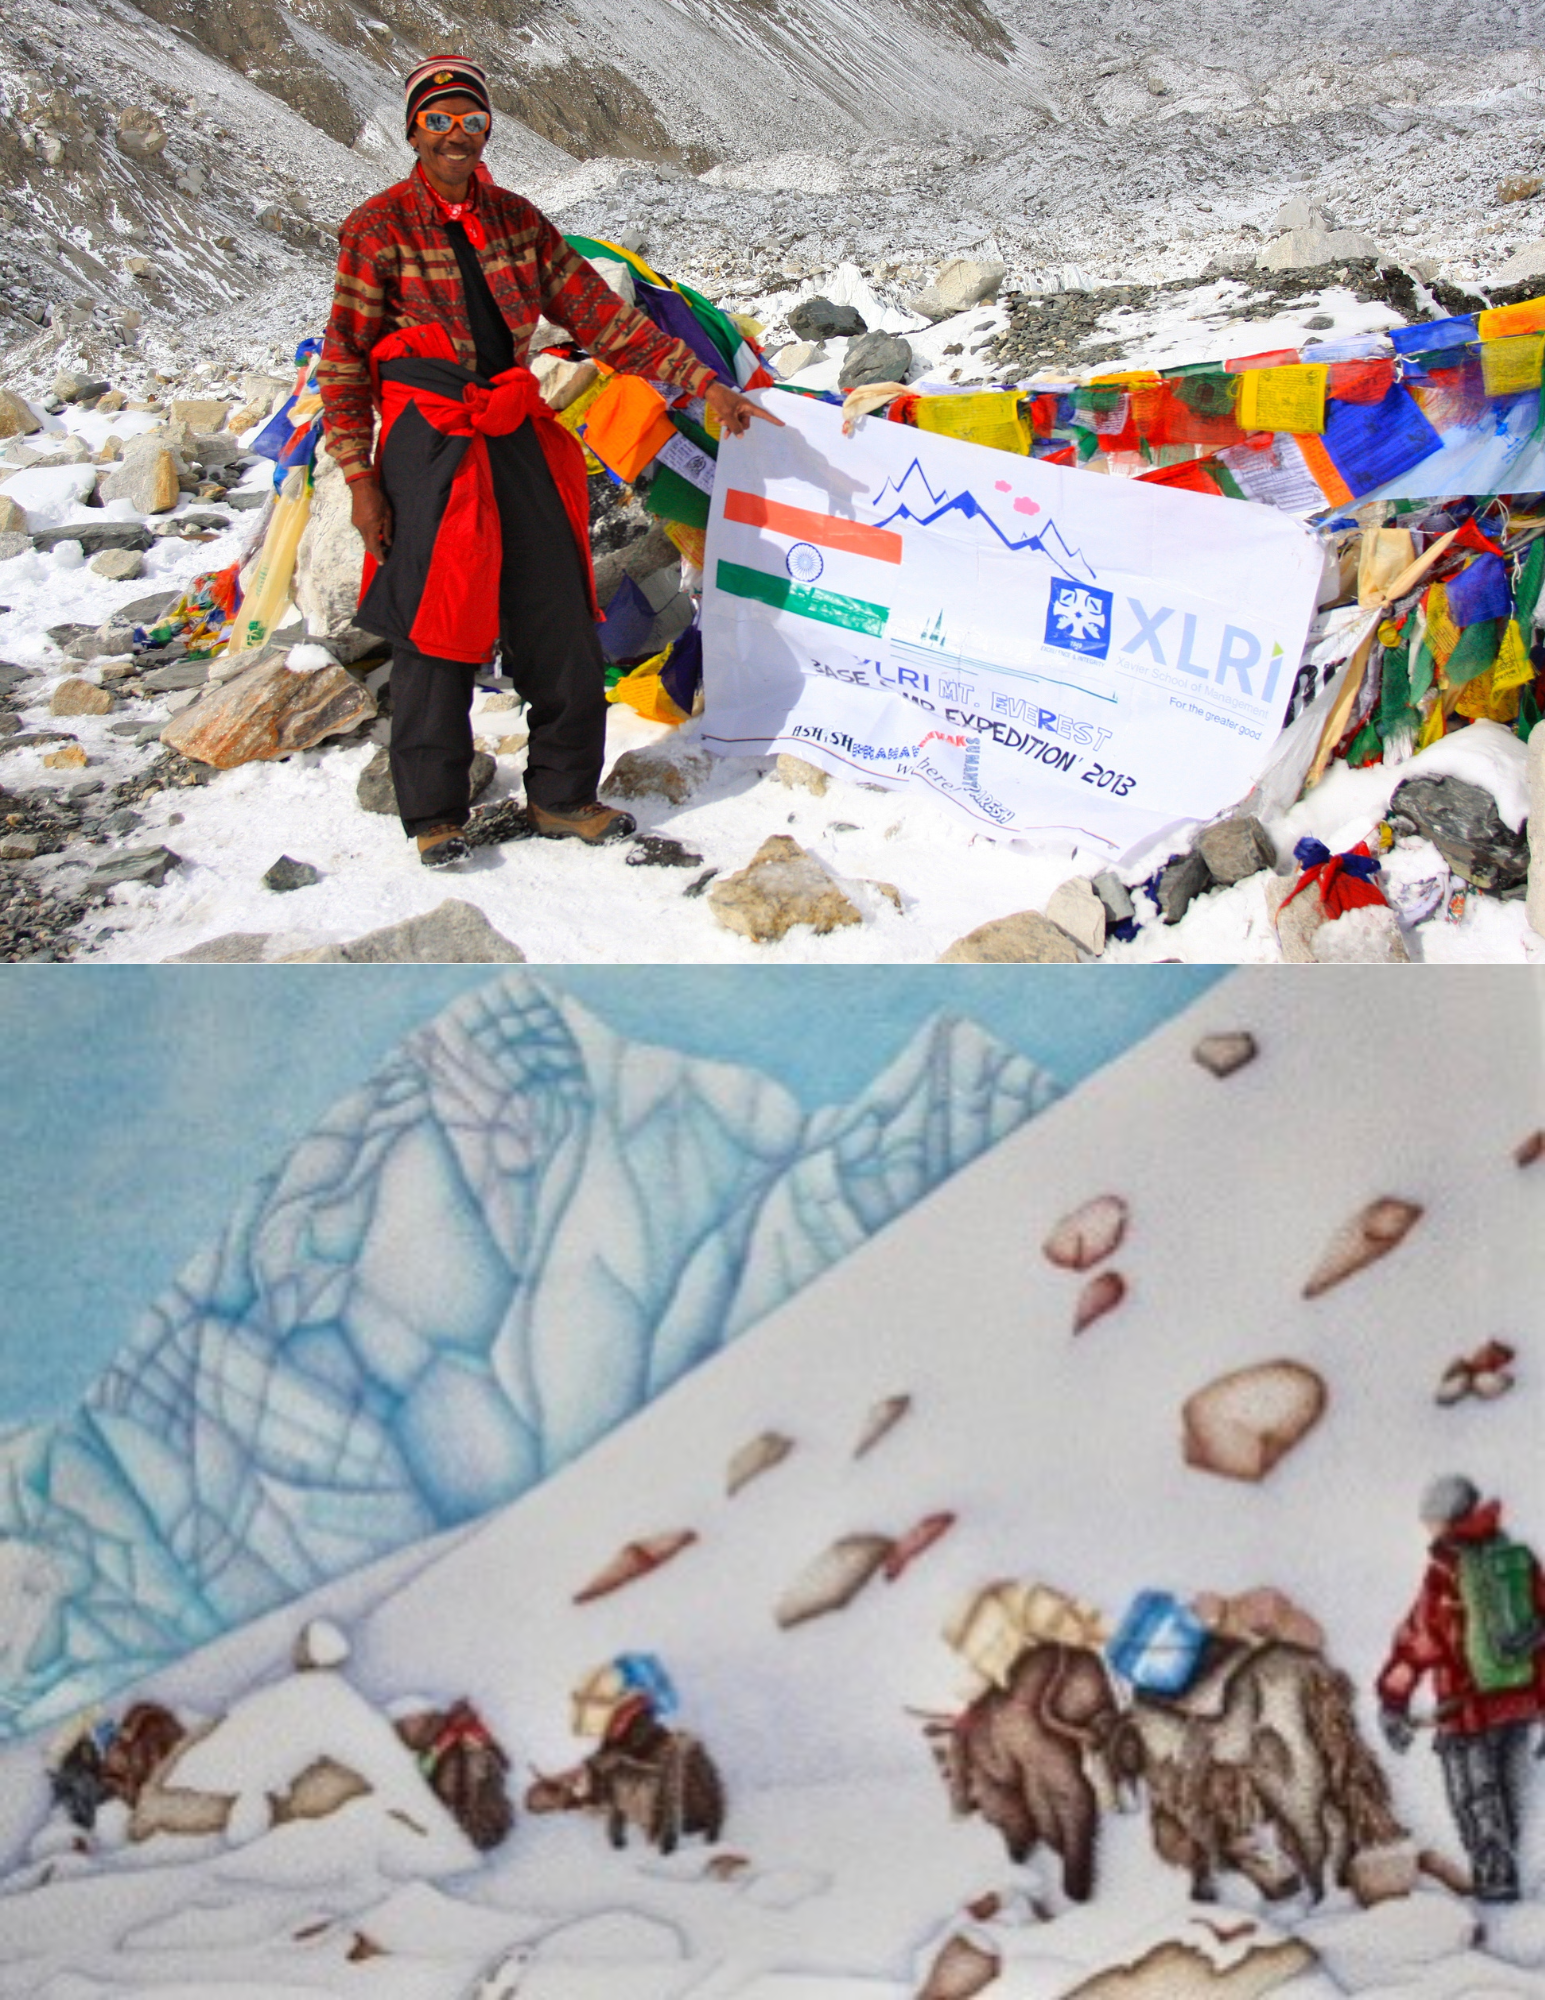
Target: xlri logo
column 1078, row 618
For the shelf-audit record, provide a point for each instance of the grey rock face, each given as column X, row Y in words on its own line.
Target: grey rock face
column 173, row 679
column 287, row 874
column 820, row 319
column 1236, row 848
column 455, row 933
column 95, row 536
column 376, row 794
column 1181, row 883
column 233, row 948
column 1463, row 824
column 137, row 864
column 1113, row 893
column 878, row 357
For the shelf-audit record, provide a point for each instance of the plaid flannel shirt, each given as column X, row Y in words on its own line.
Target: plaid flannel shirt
column 396, row 268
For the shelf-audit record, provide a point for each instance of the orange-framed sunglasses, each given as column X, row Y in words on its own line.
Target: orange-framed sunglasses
column 473, row 123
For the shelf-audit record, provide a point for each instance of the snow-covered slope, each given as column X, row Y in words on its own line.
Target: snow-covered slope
column 521, row 1230
column 1060, row 1458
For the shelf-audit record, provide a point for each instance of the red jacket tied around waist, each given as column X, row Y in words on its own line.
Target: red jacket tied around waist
column 438, row 589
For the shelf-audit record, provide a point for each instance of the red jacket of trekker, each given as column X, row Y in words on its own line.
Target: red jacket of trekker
column 1430, row 1642
column 396, row 269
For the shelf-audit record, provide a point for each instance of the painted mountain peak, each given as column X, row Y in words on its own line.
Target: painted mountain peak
column 514, row 1236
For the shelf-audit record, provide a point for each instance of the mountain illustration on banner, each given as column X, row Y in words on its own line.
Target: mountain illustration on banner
column 912, row 498
column 509, row 1241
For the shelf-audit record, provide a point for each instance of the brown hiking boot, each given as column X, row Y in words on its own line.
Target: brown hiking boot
column 595, row 824
column 442, row 847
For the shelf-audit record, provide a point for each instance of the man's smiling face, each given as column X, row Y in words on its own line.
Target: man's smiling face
column 449, row 157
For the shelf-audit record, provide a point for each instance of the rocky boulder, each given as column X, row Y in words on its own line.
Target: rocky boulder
column 1026, row 938
column 119, row 565
column 1524, row 267
column 78, row 697
column 13, row 516
column 820, row 319
column 16, row 416
column 1303, row 249
column 269, row 711
column 797, row 356
column 140, row 133
column 1463, row 824
column 781, row 886
column 200, row 413
column 1075, row 908
column 876, row 357
column 454, row 933
column 670, row 770
column 329, row 564
column 147, row 477
column 958, row 285
column 1244, row 1423
column 1236, row 848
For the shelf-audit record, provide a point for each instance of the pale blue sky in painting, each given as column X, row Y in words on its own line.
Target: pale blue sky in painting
column 138, row 1104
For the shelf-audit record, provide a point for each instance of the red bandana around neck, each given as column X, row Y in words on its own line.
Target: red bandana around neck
column 464, row 212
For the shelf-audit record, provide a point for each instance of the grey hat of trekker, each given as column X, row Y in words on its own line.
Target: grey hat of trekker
column 1449, row 1498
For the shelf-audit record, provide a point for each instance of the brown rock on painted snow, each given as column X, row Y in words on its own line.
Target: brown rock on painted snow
column 1223, row 1054
column 760, row 1455
column 1530, row 1150
column 1242, row 1424
column 833, row 1580
column 1368, row 1236
column 268, row 712
column 1176, row 1971
column 1089, row 1235
column 1380, row 1874
column 780, row 887
column 1100, row 1296
column 633, row 1560
column 962, row 1970
column 882, row 1420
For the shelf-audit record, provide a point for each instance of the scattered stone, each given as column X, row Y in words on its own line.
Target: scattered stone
column 146, row 477
column 783, row 885
column 659, row 771
column 1089, row 1235
column 111, row 401
column 119, row 565
column 820, row 319
column 833, row 1580
column 696, row 887
column 1304, row 249
column 20, row 846
column 1529, row 1152
column 1026, row 938
column 174, row 678
column 14, row 543
column 10, row 725
column 71, row 758
column 29, row 739
column 888, row 890
column 95, row 536
column 882, row 1419
column 17, row 418
column 1370, row 1234
column 13, row 516
column 77, row 697
column 375, row 791
column 135, row 864
column 287, row 874
column 268, row 712
column 124, row 820
column 960, row 284
column 1182, row 882
column 875, row 357
column 1103, row 1293
column 1463, row 824
column 797, row 356
column 1075, row 908
column 962, row 1969
column 65, row 636
column 248, row 496
column 1223, row 1054
column 140, row 133
column 794, row 771
column 761, row 1454
column 1244, row 1423
column 1236, row 848
column 200, row 413
column 455, row 933
column 657, row 850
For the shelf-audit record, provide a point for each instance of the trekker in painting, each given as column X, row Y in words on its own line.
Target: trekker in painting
column 473, row 507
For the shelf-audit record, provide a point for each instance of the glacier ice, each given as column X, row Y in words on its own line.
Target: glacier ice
column 518, row 1232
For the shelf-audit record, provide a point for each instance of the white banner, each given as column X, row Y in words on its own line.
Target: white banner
column 1046, row 649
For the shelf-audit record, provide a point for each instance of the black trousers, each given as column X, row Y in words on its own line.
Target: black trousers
column 550, row 650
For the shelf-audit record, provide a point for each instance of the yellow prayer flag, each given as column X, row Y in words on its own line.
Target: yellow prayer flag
column 1283, row 399
column 992, row 419
column 1528, row 316
column 1513, row 667
column 1432, row 728
column 1512, row 365
column 1484, row 701
column 1128, row 378
column 1442, row 632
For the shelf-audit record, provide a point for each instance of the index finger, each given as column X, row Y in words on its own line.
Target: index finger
column 756, row 410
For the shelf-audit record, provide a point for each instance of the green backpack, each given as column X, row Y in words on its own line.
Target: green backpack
column 1502, row 1630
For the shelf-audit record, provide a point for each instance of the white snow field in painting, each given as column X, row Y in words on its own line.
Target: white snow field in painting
column 521, row 1229
column 1060, row 1458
